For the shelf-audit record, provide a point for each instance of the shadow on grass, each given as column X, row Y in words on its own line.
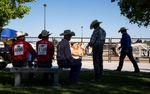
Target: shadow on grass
column 112, row 83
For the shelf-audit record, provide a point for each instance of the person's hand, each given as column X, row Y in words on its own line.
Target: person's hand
column 87, row 46
column 77, row 60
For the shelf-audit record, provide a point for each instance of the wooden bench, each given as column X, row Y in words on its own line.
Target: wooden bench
column 18, row 71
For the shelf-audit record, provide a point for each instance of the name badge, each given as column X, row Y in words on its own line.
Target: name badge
column 42, row 49
column 18, row 49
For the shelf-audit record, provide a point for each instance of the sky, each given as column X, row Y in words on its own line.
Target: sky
column 72, row 14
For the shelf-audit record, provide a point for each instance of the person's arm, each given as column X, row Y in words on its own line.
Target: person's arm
column 52, row 49
column 93, row 38
column 68, row 52
column 32, row 52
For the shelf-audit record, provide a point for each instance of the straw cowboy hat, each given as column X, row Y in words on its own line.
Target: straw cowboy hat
column 122, row 29
column 20, row 34
column 67, row 32
column 94, row 22
column 44, row 34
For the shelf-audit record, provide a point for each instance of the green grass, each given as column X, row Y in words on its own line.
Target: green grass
column 112, row 83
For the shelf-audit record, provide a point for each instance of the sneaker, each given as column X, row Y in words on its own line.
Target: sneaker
column 94, row 80
column 117, row 70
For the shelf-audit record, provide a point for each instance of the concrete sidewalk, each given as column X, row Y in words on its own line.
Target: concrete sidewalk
column 110, row 66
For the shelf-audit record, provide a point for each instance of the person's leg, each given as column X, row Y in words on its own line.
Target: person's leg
column 97, row 62
column 31, row 74
column 45, row 65
column 74, row 71
column 130, row 55
column 121, row 59
column 101, row 60
column 19, row 64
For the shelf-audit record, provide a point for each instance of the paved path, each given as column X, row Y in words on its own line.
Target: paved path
column 88, row 65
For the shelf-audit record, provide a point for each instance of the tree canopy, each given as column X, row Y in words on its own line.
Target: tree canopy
column 137, row 11
column 12, row 9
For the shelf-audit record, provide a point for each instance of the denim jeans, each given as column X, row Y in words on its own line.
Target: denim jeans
column 130, row 55
column 74, row 71
column 98, row 61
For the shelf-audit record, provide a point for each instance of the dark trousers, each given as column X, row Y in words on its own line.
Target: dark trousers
column 23, row 64
column 45, row 65
column 98, row 61
column 130, row 55
column 74, row 71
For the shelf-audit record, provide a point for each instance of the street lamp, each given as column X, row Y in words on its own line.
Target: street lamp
column 44, row 16
column 81, row 34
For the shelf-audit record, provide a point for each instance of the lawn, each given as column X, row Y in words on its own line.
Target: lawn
column 112, row 83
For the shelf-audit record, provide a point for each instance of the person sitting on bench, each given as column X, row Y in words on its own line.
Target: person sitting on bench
column 45, row 52
column 65, row 59
column 19, row 51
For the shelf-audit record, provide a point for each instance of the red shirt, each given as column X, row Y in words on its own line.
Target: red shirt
column 20, row 50
column 45, row 50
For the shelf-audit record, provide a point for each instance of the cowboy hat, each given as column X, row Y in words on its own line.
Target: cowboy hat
column 67, row 32
column 44, row 34
column 122, row 29
column 94, row 22
column 20, row 34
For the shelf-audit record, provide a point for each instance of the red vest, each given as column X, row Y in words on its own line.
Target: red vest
column 45, row 50
column 20, row 50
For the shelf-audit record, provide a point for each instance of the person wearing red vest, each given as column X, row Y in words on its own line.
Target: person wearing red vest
column 20, row 49
column 45, row 52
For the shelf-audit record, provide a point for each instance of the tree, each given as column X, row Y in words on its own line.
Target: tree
column 55, row 41
column 12, row 9
column 137, row 11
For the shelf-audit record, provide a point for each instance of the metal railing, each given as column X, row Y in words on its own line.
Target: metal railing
column 110, row 49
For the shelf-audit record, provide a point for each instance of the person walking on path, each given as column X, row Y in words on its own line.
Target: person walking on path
column 65, row 59
column 45, row 53
column 126, row 49
column 97, row 41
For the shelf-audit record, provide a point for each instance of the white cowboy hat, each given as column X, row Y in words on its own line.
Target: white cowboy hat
column 20, row 34
column 122, row 29
column 94, row 22
column 67, row 32
column 44, row 34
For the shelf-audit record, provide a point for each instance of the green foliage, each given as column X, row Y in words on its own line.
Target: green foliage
column 55, row 41
column 137, row 11
column 12, row 9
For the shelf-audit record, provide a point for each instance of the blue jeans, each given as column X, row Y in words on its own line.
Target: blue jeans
column 130, row 55
column 74, row 71
column 98, row 61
